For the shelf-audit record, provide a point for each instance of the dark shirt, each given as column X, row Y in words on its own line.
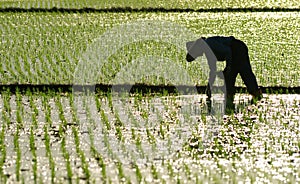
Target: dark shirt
column 221, row 47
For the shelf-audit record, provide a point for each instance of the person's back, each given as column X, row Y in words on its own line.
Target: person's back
column 221, row 47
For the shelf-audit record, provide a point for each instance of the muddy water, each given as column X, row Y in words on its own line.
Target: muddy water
column 161, row 136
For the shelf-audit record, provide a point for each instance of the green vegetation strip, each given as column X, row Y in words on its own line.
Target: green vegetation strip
column 145, row 10
column 45, row 48
column 182, row 4
column 85, row 142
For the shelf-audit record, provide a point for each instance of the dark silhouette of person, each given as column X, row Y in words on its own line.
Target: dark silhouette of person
column 235, row 53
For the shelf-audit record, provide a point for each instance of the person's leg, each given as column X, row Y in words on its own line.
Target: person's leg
column 208, row 100
column 250, row 81
column 245, row 70
column 230, row 78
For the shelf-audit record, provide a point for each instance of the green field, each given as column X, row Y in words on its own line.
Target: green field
column 193, row 4
column 62, row 137
column 153, row 139
column 44, row 48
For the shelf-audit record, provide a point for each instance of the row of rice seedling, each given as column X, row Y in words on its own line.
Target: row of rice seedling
column 44, row 48
column 154, row 139
column 240, row 130
column 3, row 154
column 146, row 3
column 62, row 134
column 107, row 138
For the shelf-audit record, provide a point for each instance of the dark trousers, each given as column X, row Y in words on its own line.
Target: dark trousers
column 240, row 65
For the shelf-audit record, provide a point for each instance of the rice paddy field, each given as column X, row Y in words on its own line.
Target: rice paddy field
column 52, row 133
column 193, row 4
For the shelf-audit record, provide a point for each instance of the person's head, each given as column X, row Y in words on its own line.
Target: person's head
column 194, row 49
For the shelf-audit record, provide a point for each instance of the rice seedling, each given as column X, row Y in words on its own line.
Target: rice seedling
column 61, row 113
column 138, row 173
column 66, row 155
column 3, row 152
column 6, row 112
column 48, row 153
column 18, row 153
column 97, row 156
column 81, row 154
column 138, row 143
column 151, row 138
column 105, row 119
column 34, row 109
column 73, row 110
column 17, row 69
column 121, row 174
column 62, row 134
column 154, row 172
column 19, row 111
column 119, row 134
column 34, row 156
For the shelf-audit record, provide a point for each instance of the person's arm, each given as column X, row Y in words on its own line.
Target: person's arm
column 212, row 72
column 212, row 76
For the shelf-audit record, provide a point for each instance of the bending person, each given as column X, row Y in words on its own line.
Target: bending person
column 235, row 53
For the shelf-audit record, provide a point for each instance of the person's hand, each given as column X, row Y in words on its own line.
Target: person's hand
column 189, row 58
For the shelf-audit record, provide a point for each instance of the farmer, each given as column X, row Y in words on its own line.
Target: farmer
column 235, row 53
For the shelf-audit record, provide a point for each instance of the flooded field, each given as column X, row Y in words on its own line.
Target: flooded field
column 55, row 138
